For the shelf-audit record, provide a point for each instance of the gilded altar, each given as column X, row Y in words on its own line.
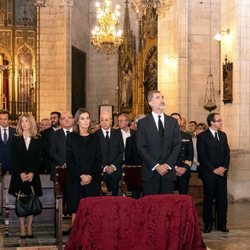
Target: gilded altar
column 137, row 65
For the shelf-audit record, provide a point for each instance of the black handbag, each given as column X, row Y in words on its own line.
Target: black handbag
column 27, row 204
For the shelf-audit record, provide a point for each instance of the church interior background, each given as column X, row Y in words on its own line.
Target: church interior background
column 47, row 63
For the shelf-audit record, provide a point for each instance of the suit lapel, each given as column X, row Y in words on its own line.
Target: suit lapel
column 211, row 137
column 153, row 127
column 103, row 139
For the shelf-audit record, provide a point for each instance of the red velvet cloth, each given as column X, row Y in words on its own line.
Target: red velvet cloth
column 121, row 223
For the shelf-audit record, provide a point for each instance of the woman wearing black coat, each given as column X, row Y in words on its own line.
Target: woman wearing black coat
column 26, row 160
column 83, row 162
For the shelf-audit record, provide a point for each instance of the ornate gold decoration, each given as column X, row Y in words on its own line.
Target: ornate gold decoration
column 5, row 38
column 145, row 7
column 105, row 37
column 227, row 81
column 126, row 66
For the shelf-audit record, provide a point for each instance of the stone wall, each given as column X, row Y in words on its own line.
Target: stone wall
column 236, row 115
column 54, row 57
column 184, row 40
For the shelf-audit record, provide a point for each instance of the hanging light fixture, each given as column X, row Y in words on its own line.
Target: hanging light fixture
column 209, row 100
column 218, row 36
column 105, row 36
column 143, row 7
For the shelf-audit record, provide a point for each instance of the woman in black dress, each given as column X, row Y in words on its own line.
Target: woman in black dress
column 26, row 160
column 83, row 162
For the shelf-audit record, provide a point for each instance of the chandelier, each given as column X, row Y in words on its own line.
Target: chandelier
column 143, row 7
column 105, row 37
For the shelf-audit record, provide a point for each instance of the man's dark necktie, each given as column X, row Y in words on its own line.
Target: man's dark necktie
column 160, row 127
column 5, row 139
column 67, row 132
column 107, row 139
column 216, row 137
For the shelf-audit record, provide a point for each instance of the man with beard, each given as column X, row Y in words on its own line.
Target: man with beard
column 55, row 125
column 158, row 142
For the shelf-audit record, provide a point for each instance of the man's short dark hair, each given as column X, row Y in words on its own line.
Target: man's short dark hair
column 56, row 113
column 193, row 122
column 5, row 112
column 210, row 118
column 178, row 114
column 150, row 94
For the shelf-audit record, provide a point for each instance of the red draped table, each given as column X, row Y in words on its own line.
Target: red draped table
column 122, row 223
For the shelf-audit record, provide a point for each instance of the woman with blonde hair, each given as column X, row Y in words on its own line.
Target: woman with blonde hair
column 83, row 162
column 26, row 160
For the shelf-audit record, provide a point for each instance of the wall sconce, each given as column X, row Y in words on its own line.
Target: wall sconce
column 39, row 3
column 219, row 35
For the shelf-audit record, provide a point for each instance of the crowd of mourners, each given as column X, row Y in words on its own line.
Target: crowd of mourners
column 161, row 145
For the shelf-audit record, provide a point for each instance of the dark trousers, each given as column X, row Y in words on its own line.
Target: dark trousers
column 112, row 184
column 182, row 183
column 215, row 188
column 159, row 185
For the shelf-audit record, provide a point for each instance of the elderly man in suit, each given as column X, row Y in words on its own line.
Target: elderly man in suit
column 214, row 157
column 112, row 149
column 158, row 142
column 5, row 141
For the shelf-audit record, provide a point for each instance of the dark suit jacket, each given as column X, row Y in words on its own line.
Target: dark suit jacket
column 131, row 154
column 115, row 154
column 24, row 160
column 212, row 154
column 46, row 160
column 83, row 157
column 57, row 150
column 5, row 151
column 151, row 149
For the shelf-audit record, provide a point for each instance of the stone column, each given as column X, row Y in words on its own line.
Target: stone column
column 55, row 54
column 235, row 15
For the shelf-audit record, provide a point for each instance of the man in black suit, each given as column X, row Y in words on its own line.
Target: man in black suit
column 184, row 160
column 57, row 152
column 132, row 158
column 57, row 143
column 124, row 123
column 112, row 149
column 5, row 141
column 214, row 157
column 55, row 125
column 158, row 141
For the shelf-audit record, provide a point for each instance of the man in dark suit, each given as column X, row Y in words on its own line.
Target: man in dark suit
column 184, row 160
column 57, row 151
column 55, row 125
column 112, row 149
column 57, row 143
column 124, row 123
column 158, row 141
column 5, row 141
column 132, row 158
column 214, row 157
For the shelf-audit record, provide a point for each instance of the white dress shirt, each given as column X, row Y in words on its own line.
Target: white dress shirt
column 27, row 140
column 213, row 133
column 65, row 130
column 2, row 132
column 156, row 118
